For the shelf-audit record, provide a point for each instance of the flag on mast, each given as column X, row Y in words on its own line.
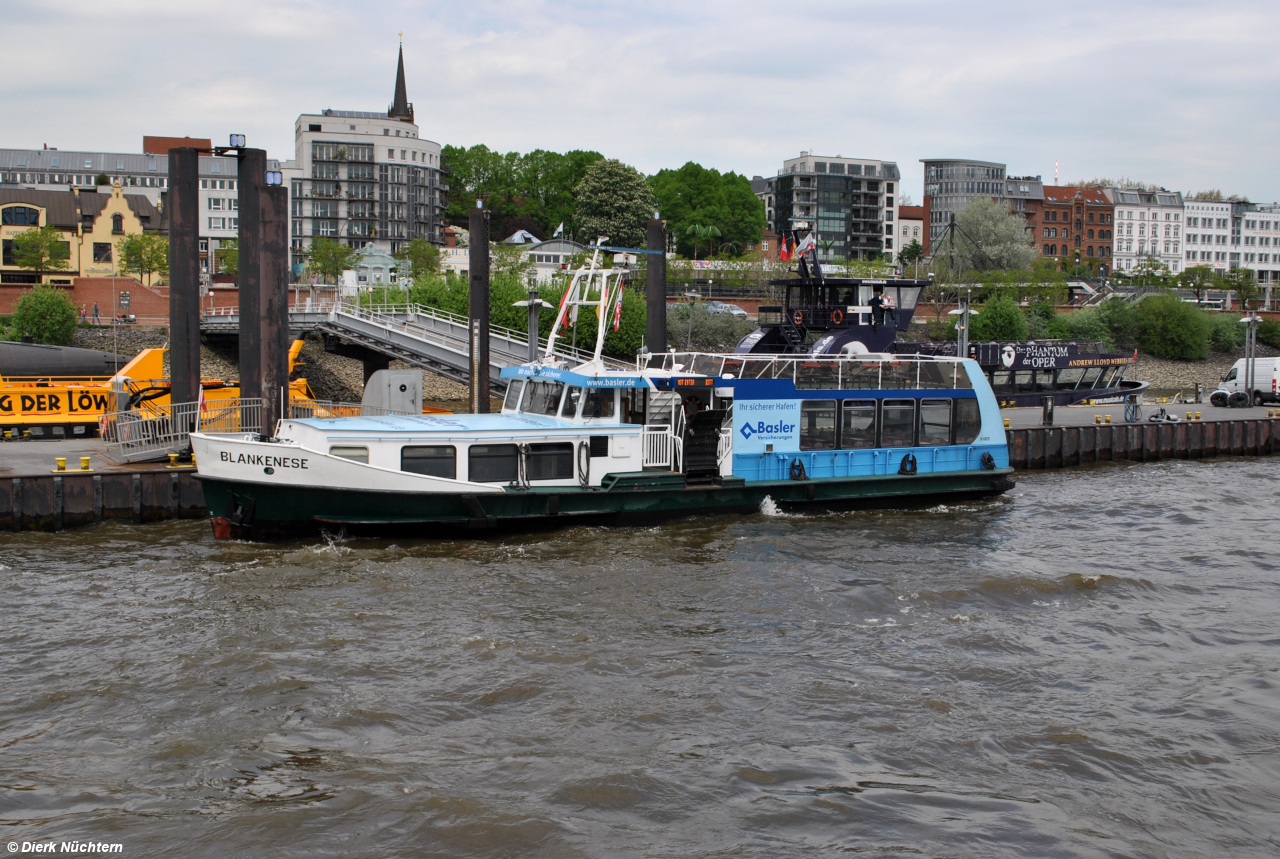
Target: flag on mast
column 782, row 249
column 617, row 310
column 559, row 230
column 807, row 243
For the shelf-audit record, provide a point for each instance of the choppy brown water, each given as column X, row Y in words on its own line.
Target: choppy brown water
column 1086, row 667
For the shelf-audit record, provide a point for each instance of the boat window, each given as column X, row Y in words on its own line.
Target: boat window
column 757, row 368
column 818, row 375
column 550, row 461
column 1105, row 380
column 433, row 460
column 706, row 365
column 571, row 400
column 817, row 425
column 493, row 463
column 599, row 403
column 1001, row 380
column 858, row 424
column 1044, row 380
column 351, row 452
column 512, row 400
column 1090, row 376
column 1069, row 377
column 541, row 398
column 935, row 422
column 633, row 405
column 1115, row 380
column 968, row 420
column 897, row 423
column 936, row 374
column 860, row 375
column 1023, row 380
column 899, row 375
column 963, row 382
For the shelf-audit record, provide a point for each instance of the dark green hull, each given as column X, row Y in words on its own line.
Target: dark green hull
column 259, row 511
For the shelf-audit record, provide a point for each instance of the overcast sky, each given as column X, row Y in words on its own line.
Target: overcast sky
column 1179, row 93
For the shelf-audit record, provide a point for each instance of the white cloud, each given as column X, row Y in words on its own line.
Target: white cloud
column 1181, row 94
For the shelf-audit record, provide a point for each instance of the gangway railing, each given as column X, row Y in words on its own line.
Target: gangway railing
column 152, row 433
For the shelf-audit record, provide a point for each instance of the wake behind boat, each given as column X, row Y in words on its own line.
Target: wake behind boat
column 680, row 433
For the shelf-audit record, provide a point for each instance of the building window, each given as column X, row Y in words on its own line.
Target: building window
column 7, row 256
column 20, row 216
column 117, row 225
column 102, row 251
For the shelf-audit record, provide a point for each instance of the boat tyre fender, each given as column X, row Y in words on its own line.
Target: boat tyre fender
column 988, row 462
column 908, row 464
column 797, row 470
column 584, row 463
column 1238, row 400
column 1218, row 399
column 798, row 318
column 837, row 316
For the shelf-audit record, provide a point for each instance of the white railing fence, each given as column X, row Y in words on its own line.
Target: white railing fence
column 662, row 448
column 232, row 415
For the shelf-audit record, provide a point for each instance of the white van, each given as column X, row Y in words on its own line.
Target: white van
column 1266, row 382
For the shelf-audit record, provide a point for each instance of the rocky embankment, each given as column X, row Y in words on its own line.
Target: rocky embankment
column 1166, row 375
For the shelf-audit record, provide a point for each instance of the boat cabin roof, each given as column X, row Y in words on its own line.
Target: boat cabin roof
column 451, row 425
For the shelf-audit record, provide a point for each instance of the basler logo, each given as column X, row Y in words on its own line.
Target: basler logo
column 762, row 428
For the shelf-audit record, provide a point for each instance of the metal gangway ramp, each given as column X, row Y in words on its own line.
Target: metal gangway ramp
column 435, row 339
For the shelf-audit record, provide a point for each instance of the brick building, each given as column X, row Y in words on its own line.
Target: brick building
column 1073, row 225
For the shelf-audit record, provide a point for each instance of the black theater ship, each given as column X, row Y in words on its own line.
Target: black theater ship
column 824, row 315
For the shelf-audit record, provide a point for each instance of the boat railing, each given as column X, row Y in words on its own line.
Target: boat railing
column 724, row 449
column 299, row 409
column 874, row 371
column 149, row 433
column 662, row 447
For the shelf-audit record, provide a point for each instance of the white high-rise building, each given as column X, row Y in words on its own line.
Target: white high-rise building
column 1148, row 226
column 365, row 178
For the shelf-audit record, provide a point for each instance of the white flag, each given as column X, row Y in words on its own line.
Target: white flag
column 804, row 245
column 559, row 229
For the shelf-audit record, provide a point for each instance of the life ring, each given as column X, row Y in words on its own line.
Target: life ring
column 908, row 464
column 837, row 316
column 988, row 461
column 798, row 317
column 797, row 470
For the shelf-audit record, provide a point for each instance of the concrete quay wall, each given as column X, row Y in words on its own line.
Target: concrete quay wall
column 1065, row 447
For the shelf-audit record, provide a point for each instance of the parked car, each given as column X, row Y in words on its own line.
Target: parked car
column 721, row 307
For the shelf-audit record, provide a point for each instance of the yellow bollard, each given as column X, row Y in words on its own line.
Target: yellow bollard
column 173, row 460
column 1006, row 423
column 1197, row 416
column 1108, row 418
column 84, row 464
column 62, row 463
column 1188, row 415
column 1097, row 419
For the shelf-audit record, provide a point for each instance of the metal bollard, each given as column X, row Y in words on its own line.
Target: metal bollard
column 1107, row 419
column 1197, row 416
column 1046, row 417
column 84, row 464
column 1006, row 423
column 62, row 463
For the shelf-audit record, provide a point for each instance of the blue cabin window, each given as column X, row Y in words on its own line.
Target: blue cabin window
column 541, row 398
column 572, row 398
column 858, row 424
column 512, row 400
column 599, row 403
column 935, row 422
column 897, row 423
column 818, row 425
column 968, row 421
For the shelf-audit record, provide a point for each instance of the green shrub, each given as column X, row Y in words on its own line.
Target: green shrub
column 1269, row 332
column 939, row 331
column 1120, row 318
column 999, row 318
column 1171, row 328
column 1087, row 324
column 47, row 314
column 1226, row 334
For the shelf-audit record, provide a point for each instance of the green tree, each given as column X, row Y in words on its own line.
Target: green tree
column 41, row 249
column 1170, row 328
column 419, row 257
column 702, row 233
column 987, row 237
column 102, row 179
column 1120, row 318
column 1241, row 283
column 999, row 318
column 1199, row 279
column 143, row 254
column 696, row 195
column 330, row 259
column 46, row 314
column 614, row 200
column 227, row 257
column 911, row 254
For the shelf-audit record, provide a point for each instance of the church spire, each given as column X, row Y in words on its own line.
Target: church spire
column 401, row 109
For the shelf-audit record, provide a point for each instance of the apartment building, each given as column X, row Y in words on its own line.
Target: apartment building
column 1255, row 240
column 1148, row 226
column 950, row 183
column 365, row 177
column 849, row 203
column 1207, row 233
column 1073, row 225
